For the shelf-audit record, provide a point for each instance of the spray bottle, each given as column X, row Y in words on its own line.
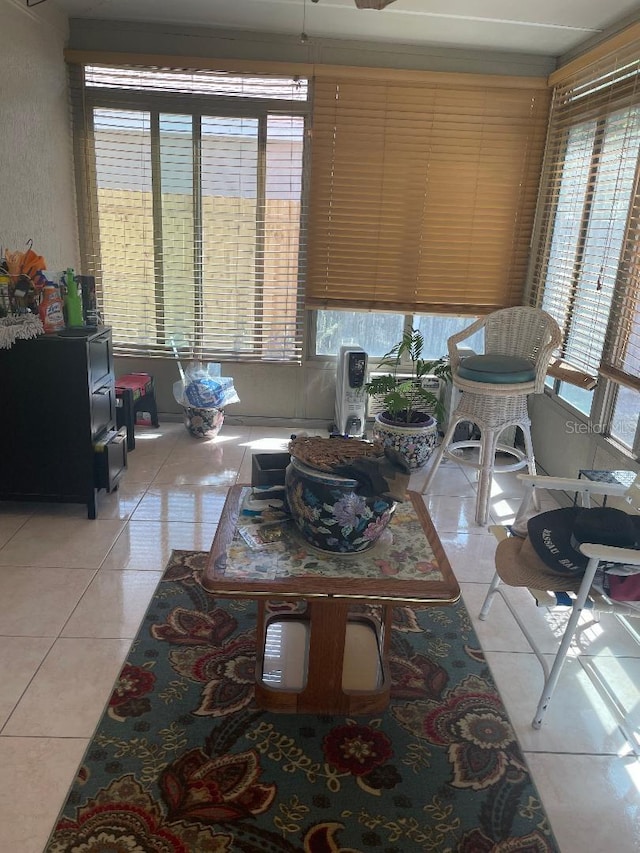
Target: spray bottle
column 50, row 309
column 72, row 300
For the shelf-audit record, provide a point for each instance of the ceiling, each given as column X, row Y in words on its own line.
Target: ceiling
column 546, row 27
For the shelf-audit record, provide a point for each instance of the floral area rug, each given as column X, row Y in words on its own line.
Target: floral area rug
column 184, row 761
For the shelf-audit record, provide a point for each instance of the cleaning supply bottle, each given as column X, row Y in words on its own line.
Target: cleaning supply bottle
column 72, row 300
column 50, row 309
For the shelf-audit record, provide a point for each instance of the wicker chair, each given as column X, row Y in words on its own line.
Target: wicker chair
column 518, row 345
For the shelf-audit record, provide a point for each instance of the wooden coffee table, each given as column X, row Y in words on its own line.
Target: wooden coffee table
column 345, row 596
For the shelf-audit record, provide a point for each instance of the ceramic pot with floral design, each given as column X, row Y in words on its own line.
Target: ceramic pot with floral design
column 416, row 441
column 329, row 513
column 203, row 423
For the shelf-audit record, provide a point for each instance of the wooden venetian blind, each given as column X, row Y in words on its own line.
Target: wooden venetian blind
column 423, row 190
column 190, row 190
column 585, row 265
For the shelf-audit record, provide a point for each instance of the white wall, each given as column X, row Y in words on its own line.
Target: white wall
column 266, row 391
column 36, row 171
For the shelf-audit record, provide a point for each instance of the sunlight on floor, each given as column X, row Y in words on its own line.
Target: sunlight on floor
column 629, row 788
column 228, row 438
column 266, row 444
column 504, row 510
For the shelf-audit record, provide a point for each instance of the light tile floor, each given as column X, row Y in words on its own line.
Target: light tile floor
column 73, row 593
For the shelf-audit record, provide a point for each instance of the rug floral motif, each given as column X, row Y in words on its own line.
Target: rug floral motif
column 183, row 760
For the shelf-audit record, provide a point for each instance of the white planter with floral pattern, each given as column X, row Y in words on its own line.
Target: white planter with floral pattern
column 415, row 442
column 203, row 423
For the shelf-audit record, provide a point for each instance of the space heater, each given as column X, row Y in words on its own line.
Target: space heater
column 351, row 397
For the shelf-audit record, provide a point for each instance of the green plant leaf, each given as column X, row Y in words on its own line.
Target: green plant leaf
column 398, row 398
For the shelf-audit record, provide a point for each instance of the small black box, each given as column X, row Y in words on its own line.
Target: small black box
column 267, row 469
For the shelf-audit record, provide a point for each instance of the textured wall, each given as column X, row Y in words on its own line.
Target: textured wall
column 36, row 172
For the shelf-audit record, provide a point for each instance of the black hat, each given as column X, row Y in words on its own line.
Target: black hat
column 556, row 536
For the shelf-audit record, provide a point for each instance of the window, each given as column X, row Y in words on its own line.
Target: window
column 585, row 269
column 626, row 416
column 377, row 333
column 437, row 330
column 594, row 192
column 191, row 186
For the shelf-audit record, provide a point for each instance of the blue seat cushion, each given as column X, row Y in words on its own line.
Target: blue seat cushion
column 497, row 369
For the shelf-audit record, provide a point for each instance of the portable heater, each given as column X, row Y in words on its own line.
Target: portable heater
column 351, row 397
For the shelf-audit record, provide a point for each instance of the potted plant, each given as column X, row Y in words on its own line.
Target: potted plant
column 406, row 422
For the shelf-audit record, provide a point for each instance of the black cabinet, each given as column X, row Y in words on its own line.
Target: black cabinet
column 57, row 432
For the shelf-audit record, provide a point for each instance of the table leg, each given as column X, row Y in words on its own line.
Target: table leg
column 323, row 691
column 327, row 634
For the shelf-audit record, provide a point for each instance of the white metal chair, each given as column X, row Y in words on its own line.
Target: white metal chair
column 517, row 564
column 519, row 343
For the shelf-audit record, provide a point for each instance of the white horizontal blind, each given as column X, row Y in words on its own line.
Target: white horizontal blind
column 191, row 183
column 423, row 190
column 584, row 269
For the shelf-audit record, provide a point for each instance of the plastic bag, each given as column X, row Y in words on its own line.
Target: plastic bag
column 203, row 387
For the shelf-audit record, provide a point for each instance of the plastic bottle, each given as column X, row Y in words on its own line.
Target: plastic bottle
column 73, row 300
column 51, row 309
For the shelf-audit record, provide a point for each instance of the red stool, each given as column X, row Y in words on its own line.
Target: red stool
column 135, row 393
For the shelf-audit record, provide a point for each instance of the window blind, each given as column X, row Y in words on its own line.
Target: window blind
column 190, row 186
column 423, row 190
column 585, row 261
